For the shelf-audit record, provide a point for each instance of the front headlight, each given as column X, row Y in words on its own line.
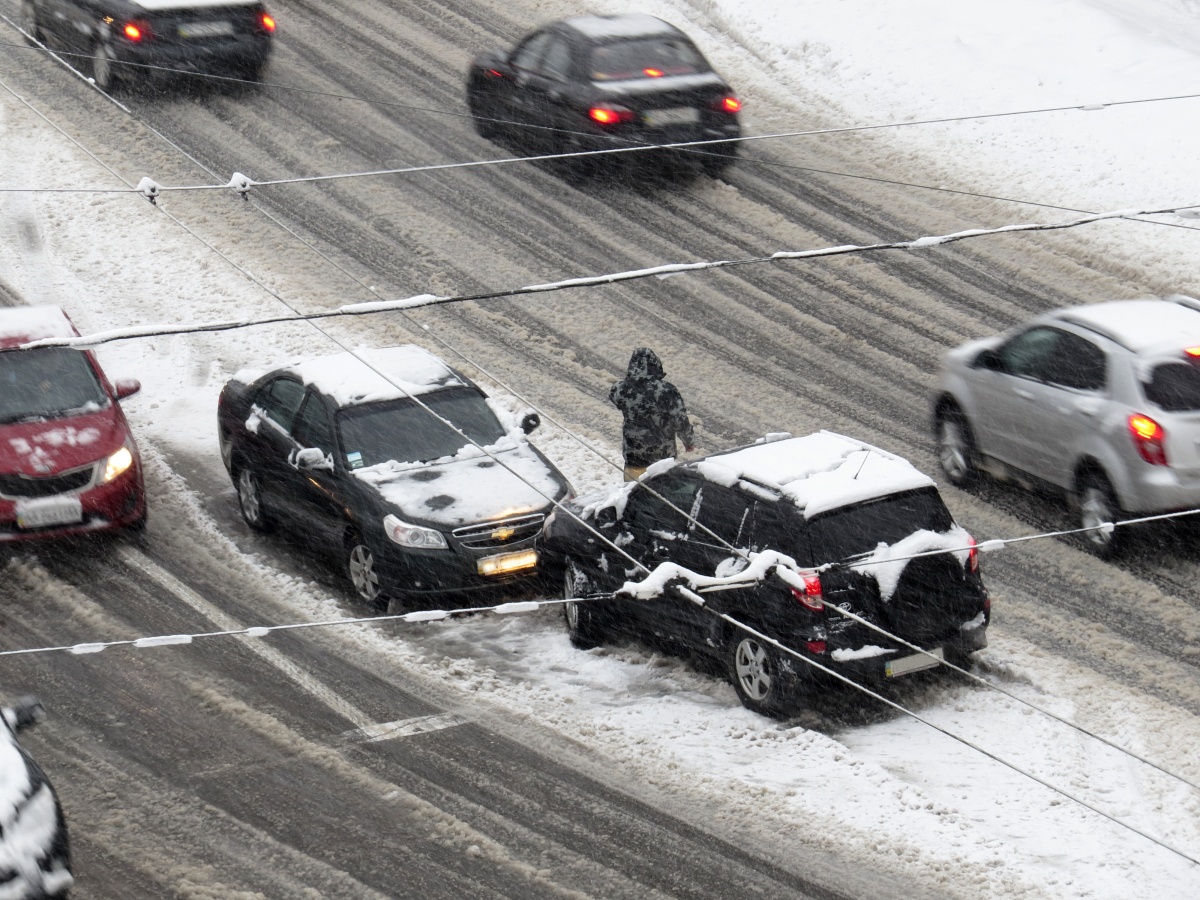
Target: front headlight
column 116, row 465
column 407, row 535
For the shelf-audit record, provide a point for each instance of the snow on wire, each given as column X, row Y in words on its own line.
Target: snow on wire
column 420, row 300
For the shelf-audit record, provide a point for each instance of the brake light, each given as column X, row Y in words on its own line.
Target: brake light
column 815, row 646
column 972, row 556
column 1148, row 436
column 268, row 24
column 652, row 73
column 810, row 597
column 610, row 115
column 1193, row 352
column 728, row 104
column 495, row 73
column 135, row 31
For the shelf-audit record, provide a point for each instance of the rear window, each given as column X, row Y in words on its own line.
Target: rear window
column 650, row 57
column 401, row 430
column 854, row 530
column 47, row 383
column 1174, row 386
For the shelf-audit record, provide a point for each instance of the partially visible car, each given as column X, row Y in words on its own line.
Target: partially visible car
column 225, row 37
column 869, row 531
column 1100, row 403
column 35, row 854
column 68, row 461
column 597, row 82
column 340, row 454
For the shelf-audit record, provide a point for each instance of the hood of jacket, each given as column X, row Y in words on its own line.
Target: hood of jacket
column 645, row 364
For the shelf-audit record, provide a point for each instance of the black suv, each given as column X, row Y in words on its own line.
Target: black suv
column 852, row 516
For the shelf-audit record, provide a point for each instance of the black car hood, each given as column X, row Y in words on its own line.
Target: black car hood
column 470, row 487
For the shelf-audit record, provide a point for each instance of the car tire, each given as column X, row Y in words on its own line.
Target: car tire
column 955, row 446
column 250, row 499
column 103, row 71
column 583, row 626
column 1097, row 503
column 29, row 23
column 481, row 117
column 756, row 674
column 360, row 570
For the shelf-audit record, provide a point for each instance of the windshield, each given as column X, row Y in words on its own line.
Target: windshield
column 651, row 57
column 1174, row 386
column 859, row 529
column 401, row 430
column 46, row 383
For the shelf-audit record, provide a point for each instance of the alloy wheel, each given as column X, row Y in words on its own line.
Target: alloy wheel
column 752, row 669
column 360, row 565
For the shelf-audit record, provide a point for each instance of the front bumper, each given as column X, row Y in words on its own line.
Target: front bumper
column 106, row 507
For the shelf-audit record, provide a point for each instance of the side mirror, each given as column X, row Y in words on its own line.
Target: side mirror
column 312, row 459
column 126, row 387
column 24, row 712
column 530, row 421
column 989, row 359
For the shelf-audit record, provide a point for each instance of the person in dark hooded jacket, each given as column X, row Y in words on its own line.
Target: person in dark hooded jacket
column 654, row 414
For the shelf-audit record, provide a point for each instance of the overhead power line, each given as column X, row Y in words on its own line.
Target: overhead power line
column 422, row 300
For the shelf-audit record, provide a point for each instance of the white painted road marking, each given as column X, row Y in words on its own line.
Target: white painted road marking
column 385, row 731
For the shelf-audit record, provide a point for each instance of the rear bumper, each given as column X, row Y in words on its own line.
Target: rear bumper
column 234, row 53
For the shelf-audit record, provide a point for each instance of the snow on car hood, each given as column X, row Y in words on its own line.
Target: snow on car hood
column 45, row 448
column 468, row 487
column 28, row 825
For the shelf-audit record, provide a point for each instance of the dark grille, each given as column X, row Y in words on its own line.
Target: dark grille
column 33, row 486
column 481, row 536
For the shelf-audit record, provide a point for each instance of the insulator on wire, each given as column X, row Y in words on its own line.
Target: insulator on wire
column 149, row 189
column 241, row 184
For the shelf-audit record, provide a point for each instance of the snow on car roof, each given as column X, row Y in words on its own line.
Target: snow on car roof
column 368, row 375
column 20, row 324
column 818, row 472
column 1141, row 325
column 602, row 28
column 158, row 5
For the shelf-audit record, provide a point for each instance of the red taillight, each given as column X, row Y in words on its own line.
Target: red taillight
column 268, row 24
column 1148, row 437
column 729, row 104
column 1193, row 352
column 810, row 597
column 815, row 646
column 495, row 73
column 610, row 115
column 135, row 31
column 652, row 73
column 972, row 556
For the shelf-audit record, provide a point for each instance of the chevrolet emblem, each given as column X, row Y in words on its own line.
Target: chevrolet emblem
column 503, row 533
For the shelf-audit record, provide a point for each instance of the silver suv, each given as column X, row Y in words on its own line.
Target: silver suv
column 1101, row 402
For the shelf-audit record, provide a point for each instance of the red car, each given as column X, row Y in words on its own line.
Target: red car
column 68, row 463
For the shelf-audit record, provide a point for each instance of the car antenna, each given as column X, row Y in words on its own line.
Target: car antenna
column 861, row 464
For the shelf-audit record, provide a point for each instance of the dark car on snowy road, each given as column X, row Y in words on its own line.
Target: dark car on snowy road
column 129, row 41
column 352, row 453
column 35, row 854
column 602, row 82
column 871, row 531
column 68, row 462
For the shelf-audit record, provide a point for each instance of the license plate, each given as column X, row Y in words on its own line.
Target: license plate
column 914, row 663
column 50, row 511
column 683, row 115
column 219, row 28
column 507, row 562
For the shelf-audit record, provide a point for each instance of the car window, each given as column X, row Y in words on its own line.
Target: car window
column 1174, row 386
column 47, row 381
column 1076, row 363
column 724, row 512
column 846, row 532
column 403, row 431
column 312, row 427
column 645, row 512
column 648, row 57
column 557, row 63
column 528, row 55
column 1028, row 353
column 280, row 400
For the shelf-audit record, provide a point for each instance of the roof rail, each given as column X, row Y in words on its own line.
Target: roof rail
column 1185, row 300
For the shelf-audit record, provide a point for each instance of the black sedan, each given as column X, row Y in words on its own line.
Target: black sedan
column 344, row 453
column 227, row 37
column 35, row 855
column 603, row 82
